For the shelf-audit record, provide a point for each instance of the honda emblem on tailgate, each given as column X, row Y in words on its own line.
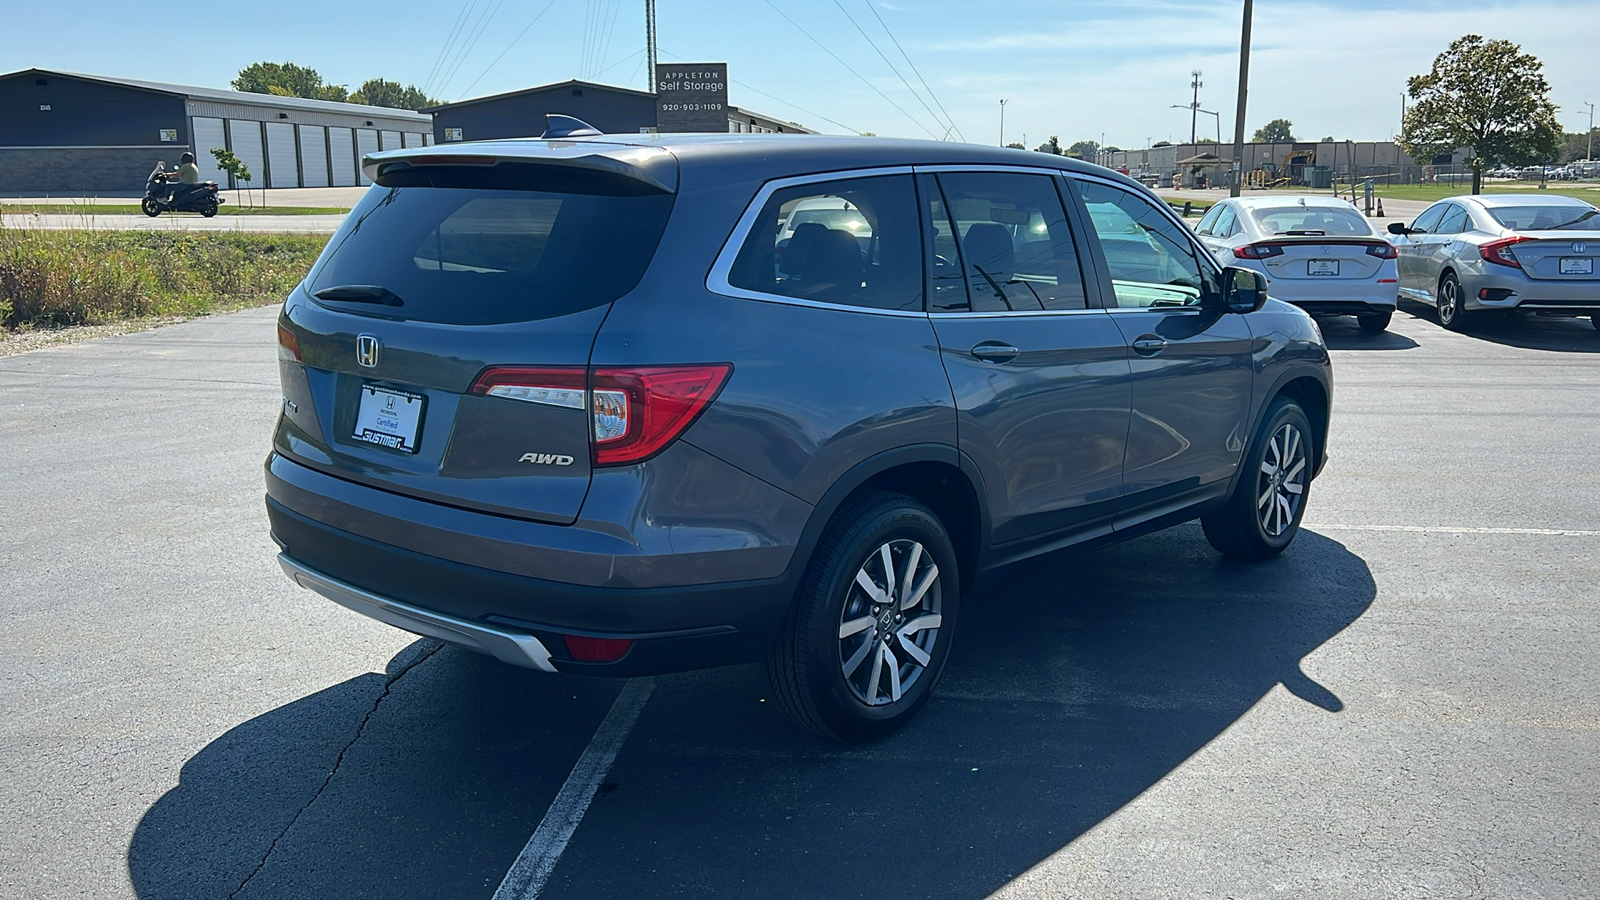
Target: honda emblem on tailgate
column 367, row 350
column 1579, row 246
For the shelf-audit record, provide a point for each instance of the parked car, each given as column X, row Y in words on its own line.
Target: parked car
column 556, row 401
column 1498, row 253
column 1318, row 253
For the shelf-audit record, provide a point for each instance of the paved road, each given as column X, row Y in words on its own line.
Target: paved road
column 1403, row 704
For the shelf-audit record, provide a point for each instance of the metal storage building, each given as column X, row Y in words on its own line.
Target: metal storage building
column 614, row 110
column 63, row 132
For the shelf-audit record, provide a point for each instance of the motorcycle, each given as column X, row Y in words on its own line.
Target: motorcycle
column 164, row 193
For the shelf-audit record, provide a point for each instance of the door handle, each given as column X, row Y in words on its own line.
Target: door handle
column 1149, row 345
column 996, row 352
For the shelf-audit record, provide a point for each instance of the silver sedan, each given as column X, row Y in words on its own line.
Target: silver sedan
column 1470, row 256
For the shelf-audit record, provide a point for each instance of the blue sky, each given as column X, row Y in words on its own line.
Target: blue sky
column 1074, row 69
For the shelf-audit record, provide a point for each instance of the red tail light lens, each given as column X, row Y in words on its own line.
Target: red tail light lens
column 1258, row 251
column 639, row 411
column 589, row 649
column 288, row 345
column 1384, row 250
column 1499, row 252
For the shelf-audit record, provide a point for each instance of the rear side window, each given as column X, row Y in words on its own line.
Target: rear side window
column 466, row 256
column 1015, row 249
column 853, row 242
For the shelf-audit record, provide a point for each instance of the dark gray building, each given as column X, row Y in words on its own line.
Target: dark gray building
column 613, row 110
column 62, row 132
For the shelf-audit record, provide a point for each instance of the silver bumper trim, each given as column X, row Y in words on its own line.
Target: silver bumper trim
column 509, row 647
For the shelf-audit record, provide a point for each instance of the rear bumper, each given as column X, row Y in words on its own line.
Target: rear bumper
column 1336, row 298
column 1512, row 289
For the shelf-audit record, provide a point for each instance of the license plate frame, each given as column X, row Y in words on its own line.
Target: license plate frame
column 1322, row 268
column 1576, row 265
column 389, row 417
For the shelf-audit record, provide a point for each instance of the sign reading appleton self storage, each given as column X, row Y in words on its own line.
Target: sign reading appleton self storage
column 692, row 97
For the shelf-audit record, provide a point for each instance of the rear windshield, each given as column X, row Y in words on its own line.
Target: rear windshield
column 467, row 256
column 1547, row 218
column 1312, row 220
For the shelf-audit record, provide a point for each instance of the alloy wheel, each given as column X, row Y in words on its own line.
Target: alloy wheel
column 1449, row 301
column 1281, row 485
column 890, row 622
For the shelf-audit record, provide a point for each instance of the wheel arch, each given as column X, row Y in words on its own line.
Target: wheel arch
column 1314, row 396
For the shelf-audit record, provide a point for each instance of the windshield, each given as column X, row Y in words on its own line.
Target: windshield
column 465, row 256
column 1330, row 220
column 1547, row 218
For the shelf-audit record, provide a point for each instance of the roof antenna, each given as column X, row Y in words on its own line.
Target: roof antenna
column 558, row 126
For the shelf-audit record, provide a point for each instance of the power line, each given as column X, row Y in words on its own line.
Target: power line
column 508, row 48
column 449, row 42
column 914, row 69
column 850, row 69
column 472, row 43
column 777, row 98
column 891, row 66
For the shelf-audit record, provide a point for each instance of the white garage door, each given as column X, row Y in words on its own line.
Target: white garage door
column 283, row 163
column 391, row 140
column 313, row 156
column 366, row 142
column 342, row 150
column 413, row 139
column 207, row 134
column 244, row 139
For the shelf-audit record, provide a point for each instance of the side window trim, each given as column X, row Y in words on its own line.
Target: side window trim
column 717, row 279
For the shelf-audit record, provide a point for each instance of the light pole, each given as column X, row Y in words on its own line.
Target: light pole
column 1244, row 93
column 1589, row 154
column 1207, row 112
column 1002, row 122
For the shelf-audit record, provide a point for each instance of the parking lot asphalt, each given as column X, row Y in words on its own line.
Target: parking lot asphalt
column 1401, row 705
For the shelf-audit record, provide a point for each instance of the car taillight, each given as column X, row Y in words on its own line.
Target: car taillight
column 1384, row 250
column 1499, row 252
column 590, row 649
column 288, row 345
column 1258, row 251
column 638, row 411
column 548, row 386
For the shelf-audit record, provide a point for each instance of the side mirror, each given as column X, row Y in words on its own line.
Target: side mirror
column 1399, row 228
column 1243, row 290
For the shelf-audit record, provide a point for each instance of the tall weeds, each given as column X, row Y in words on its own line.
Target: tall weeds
column 57, row 278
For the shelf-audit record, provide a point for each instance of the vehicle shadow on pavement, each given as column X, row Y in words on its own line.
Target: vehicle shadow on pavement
column 1342, row 333
column 1077, row 683
column 1529, row 332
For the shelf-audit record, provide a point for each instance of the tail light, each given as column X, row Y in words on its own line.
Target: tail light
column 590, row 649
column 288, row 345
column 1499, row 252
column 634, row 412
column 1258, row 251
column 1384, row 250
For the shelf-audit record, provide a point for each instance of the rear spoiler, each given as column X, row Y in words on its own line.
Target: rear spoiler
column 620, row 167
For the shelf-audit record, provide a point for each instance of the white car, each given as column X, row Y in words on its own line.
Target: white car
column 1318, row 253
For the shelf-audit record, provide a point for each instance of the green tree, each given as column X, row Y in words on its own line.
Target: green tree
column 234, row 166
column 1015, row 146
column 1052, row 146
column 1487, row 95
column 378, row 92
column 1278, row 131
column 1160, row 144
column 287, row 80
column 1084, row 149
column 1575, row 145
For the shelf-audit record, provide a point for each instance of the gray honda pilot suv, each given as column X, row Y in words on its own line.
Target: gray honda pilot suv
column 630, row 404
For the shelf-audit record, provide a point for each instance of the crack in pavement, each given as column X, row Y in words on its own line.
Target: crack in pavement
column 344, row 751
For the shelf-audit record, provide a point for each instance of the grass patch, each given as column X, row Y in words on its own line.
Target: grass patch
column 90, row 210
column 1433, row 192
column 52, row 279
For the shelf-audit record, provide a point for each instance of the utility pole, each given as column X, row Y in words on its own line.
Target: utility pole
column 1244, row 92
column 1002, row 122
column 1589, row 155
column 650, row 42
column 1402, row 116
column 1194, row 106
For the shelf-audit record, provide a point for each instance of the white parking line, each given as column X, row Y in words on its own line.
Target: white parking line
column 538, row 859
column 1453, row 529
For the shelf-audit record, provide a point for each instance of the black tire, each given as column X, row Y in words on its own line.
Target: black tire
column 1243, row 529
column 210, row 209
column 1450, row 304
column 822, row 676
column 151, row 207
column 1374, row 323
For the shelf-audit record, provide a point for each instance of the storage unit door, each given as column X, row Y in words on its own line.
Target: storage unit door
column 282, row 162
column 342, row 150
column 413, row 139
column 366, row 142
column 244, row 139
column 313, row 156
column 207, row 134
column 391, row 140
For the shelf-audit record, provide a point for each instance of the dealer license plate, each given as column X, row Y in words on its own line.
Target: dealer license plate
column 1322, row 267
column 389, row 418
column 1577, row 265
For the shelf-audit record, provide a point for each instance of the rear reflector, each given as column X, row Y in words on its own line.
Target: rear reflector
column 639, row 411
column 589, row 649
column 1499, row 252
column 288, row 345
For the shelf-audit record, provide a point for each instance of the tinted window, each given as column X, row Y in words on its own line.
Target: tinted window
column 1330, row 220
column 478, row 257
column 1209, row 219
column 854, row 242
column 1547, row 218
column 1455, row 221
column 1151, row 259
column 1015, row 249
column 1428, row 222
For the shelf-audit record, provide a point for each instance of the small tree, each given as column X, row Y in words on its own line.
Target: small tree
column 1015, row 146
column 1278, row 131
column 378, row 92
column 234, row 166
column 287, row 80
column 1487, row 95
column 1052, row 146
column 1084, row 149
